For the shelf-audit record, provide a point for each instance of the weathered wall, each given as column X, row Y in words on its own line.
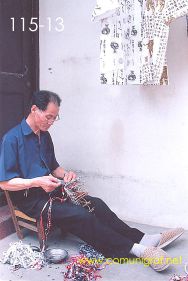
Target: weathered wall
column 130, row 142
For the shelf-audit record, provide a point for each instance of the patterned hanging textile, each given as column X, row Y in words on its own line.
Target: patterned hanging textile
column 134, row 36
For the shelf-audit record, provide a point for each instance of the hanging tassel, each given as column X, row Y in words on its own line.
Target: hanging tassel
column 66, row 191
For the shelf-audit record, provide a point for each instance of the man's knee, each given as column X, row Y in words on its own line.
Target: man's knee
column 98, row 203
column 95, row 200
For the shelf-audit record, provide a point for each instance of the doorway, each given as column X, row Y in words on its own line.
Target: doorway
column 19, row 62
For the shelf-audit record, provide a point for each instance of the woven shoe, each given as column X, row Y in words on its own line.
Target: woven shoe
column 169, row 236
column 156, row 258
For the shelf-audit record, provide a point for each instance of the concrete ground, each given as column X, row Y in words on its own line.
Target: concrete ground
column 115, row 272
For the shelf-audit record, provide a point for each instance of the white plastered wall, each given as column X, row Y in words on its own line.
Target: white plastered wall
column 130, row 143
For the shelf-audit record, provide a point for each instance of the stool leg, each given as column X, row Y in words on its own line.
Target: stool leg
column 17, row 227
column 14, row 218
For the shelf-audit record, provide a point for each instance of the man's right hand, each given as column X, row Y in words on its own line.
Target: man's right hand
column 48, row 183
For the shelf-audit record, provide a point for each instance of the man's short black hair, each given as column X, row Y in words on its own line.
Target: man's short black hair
column 42, row 98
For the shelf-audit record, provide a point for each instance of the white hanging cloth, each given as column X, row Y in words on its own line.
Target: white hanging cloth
column 134, row 37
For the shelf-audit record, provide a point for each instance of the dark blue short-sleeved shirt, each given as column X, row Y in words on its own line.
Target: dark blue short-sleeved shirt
column 24, row 155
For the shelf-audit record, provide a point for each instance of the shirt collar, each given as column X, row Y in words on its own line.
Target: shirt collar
column 26, row 129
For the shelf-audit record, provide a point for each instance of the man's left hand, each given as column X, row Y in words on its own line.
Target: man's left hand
column 69, row 176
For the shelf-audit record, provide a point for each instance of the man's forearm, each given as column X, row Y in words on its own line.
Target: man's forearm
column 18, row 184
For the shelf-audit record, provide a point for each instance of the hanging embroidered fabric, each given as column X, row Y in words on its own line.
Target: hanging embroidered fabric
column 134, row 36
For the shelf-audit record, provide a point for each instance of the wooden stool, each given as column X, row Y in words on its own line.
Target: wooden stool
column 21, row 219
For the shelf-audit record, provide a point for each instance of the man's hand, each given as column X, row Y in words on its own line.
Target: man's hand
column 60, row 173
column 48, row 183
column 69, row 176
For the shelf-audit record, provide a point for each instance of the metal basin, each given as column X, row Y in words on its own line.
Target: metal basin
column 56, row 255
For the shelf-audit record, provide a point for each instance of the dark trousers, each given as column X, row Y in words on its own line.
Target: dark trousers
column 101, row 229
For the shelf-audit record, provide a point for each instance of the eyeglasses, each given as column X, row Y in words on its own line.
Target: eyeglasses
column 52, row 119
column 49, row 118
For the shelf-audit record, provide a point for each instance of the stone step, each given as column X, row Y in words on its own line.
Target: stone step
column 6, row 223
